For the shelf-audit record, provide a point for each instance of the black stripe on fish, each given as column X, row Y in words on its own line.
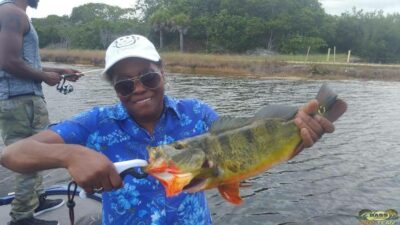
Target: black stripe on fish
column 249, row 135
column 270, row 126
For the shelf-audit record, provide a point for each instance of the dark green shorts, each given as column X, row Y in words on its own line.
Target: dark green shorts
column 21, row 117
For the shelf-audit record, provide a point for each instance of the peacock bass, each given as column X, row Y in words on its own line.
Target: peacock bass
column 235, row 149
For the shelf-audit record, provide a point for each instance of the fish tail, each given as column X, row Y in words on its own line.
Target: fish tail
column 330, row 106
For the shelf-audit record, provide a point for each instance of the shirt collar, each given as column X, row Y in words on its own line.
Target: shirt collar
column 119, row 112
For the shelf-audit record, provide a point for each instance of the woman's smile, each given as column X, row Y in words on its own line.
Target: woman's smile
column 144, row 101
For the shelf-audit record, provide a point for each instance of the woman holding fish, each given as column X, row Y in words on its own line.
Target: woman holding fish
column 89, row 143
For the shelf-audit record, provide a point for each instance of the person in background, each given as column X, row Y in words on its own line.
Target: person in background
column 23, row 110
column 89, row 143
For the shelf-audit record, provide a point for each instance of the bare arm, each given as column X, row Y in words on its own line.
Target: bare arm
column 46, row 150
column 13, row 25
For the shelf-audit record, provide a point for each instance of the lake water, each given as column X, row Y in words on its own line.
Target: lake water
column 355, row 168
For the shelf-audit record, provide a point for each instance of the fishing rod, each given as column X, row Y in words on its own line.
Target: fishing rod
column 68, row 88
column 79, row 74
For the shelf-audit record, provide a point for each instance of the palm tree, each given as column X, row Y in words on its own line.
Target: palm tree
column 180, row 22
column 160, row 22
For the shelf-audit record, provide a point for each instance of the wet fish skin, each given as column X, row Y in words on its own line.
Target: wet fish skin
column 234, row 149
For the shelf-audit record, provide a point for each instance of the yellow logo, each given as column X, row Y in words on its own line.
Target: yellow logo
column 370, row 217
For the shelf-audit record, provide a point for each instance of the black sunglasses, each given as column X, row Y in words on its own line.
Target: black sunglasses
column 126, row 87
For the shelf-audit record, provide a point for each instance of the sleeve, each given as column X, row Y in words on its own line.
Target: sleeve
column 209, row 115
column 77, row 129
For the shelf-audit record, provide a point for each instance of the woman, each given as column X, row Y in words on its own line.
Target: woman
column 88, row 144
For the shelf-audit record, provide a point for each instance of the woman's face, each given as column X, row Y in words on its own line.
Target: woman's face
column 143, row 103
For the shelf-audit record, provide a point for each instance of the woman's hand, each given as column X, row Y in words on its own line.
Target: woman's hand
column 311, row 125
column 92, row 171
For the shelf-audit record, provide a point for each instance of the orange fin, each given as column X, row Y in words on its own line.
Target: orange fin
column 169, row 175
column 231, row 193
column 173, row 183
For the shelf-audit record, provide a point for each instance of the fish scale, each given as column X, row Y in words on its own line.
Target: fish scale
column 235, row 149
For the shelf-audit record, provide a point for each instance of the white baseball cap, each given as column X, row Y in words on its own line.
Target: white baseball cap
column 130, row 46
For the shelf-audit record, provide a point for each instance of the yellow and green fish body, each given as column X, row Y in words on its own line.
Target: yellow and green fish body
column 233, row 150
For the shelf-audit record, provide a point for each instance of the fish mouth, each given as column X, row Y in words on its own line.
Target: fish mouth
column 197, row 184
column 176, row 180
column 193, row 183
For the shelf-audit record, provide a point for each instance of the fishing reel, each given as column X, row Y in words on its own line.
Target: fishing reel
column 64, row 88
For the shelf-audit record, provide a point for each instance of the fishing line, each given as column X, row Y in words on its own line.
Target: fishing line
column 89, row 71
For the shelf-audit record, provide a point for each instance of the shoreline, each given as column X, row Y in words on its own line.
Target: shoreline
column 242, row 65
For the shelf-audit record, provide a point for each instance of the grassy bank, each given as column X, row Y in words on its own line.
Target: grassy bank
column 282, row 66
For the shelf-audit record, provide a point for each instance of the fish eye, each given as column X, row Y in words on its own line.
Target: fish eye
column 179, row 145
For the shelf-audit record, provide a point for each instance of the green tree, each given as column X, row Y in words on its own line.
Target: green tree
column 372, row 35
column 228, row 26
column 53, row 31
column 92, row 11
column 234, row 33
column 96, row 25
column 298, row 44
column 181, row 23
column 160, row 21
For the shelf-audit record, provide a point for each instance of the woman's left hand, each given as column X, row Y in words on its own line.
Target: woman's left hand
column 311, row 125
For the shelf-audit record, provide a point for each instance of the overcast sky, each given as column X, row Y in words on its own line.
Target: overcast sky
column 336, row 7
column 64, row 7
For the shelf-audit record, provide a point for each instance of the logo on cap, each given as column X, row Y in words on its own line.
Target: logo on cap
column 126, row 41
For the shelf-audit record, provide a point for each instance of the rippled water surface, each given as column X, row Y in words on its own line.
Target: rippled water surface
column 355, row 168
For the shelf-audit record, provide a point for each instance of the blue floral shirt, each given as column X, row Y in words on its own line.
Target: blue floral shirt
column 111, row 131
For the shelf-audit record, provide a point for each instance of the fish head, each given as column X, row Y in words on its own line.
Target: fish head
column 174, row 158
column 158, row 159
column 175, row 165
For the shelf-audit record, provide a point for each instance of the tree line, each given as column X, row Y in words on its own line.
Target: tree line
column 228, row 26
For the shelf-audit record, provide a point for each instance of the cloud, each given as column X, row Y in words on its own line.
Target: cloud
column 337, row 7
column 60, row 8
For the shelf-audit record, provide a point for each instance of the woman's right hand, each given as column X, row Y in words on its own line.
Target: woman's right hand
column 92, row 170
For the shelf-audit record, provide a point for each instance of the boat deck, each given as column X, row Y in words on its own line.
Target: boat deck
column 87, row 212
